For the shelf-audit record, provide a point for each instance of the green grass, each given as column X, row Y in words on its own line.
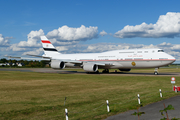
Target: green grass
column 30, row 95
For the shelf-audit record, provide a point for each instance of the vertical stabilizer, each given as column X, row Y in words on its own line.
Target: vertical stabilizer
column 49, row 49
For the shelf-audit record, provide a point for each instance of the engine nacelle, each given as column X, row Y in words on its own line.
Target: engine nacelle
column 127, row 70
column 56, row 64
column 90, row 67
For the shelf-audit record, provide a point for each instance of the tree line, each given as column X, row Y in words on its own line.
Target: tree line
column 25, row 63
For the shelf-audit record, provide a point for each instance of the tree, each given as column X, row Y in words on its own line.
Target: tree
column 3, row 60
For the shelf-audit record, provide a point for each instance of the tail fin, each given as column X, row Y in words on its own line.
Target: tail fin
column 49, row 49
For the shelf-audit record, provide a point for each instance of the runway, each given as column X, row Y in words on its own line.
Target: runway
column 64, row 71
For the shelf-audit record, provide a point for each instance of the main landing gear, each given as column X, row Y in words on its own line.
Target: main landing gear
column 105, row 71
column 156, row 71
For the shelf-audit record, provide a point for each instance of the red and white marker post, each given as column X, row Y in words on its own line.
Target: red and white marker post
column 173, row 81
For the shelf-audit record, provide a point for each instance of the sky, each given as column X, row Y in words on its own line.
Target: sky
column 85, row 26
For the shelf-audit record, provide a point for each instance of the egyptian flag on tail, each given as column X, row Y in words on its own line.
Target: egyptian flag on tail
column 47, row 45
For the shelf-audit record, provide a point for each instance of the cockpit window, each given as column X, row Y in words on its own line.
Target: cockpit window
column 160, row 50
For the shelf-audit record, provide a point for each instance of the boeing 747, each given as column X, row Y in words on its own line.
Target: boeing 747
column 123, row 60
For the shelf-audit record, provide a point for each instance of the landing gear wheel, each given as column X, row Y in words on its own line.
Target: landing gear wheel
column 156, row 73
column 105, row 71
column 97, row 72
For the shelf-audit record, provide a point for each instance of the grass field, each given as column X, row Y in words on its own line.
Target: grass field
column 30, row 95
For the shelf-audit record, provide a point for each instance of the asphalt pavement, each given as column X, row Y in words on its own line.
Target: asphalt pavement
column 152, row 111
column 64, row 71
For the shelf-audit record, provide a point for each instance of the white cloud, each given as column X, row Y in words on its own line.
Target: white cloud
column 14, row 47
column 64, row 36
column 175, row 54
column 62, row 43
column 164, row 43
column 62, row 48
column 149, row 46
column 4, row 41
column 38, row 51
column 33, row 39
column 102, row 47
column 176, row 47
column 103, row 33
column 66, row 33
column 167, row 26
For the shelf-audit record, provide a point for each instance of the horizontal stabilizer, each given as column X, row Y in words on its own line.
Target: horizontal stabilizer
column 12, row 57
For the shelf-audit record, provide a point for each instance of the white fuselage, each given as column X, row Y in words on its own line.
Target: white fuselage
column 123, row 59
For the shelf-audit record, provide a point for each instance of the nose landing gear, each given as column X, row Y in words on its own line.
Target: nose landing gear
column 156, row 71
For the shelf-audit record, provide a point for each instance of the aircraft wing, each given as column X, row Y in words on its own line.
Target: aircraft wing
column 39, row 56
column 82, row 62
column 64, row 60
column 28, row 58
column 77, row 62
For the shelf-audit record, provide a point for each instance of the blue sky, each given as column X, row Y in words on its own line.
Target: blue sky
column 89, row 25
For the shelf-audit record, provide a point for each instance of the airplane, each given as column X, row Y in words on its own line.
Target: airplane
column 124, row 60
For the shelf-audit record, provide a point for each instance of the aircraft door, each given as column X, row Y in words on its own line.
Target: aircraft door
column 135, row 52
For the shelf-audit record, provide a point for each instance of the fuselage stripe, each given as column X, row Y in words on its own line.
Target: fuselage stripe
column 134, row 60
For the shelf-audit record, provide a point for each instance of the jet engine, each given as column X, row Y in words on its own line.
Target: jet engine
column 90, row 67
column 56, row 64
column 127, row 70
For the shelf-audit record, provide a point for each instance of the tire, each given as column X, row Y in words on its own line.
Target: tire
column 155, row 73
